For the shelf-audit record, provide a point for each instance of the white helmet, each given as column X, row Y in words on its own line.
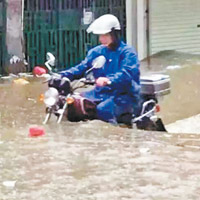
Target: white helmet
column 104, row 24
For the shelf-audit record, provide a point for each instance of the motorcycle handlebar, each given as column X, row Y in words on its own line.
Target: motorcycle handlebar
column 89, row 82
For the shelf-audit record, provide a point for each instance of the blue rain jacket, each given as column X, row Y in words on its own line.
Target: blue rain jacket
column 122, row 68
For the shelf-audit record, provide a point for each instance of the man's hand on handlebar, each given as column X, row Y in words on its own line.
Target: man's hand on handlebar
column 102, row 81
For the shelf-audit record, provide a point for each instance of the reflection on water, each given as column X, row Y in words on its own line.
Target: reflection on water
column 94, row 160
column 184, row 99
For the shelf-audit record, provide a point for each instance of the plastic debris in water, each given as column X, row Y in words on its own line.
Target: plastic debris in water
column 20, row 81
column 171, row 67
column 38, row 71
column 10, row 184
column 144, row 150
column 36, row 131
column 14, row 59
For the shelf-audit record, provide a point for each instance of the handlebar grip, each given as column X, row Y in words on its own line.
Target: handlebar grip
column 89, row 82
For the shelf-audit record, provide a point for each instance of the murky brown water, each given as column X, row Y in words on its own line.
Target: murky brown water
column 94, row 160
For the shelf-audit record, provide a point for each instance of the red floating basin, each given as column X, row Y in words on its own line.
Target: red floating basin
column 36, row 131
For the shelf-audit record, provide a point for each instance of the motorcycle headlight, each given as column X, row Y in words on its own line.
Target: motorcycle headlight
column 50, row 101
column 51, row 96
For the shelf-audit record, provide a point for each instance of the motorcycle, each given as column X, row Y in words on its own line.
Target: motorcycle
column 62, row 99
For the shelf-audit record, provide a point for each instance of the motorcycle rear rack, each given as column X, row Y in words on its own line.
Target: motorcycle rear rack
column 143, row 113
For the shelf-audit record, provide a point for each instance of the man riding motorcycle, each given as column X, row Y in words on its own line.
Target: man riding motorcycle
column 117, row 90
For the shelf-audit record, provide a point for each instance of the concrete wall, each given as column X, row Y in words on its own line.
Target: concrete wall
column 131, row 22
column 142, row 29
column 137, row 17
column 14, row 38
column 14, row 33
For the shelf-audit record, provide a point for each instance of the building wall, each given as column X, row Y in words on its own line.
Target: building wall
column 173, row 25
column 14, row 33
column 131, row 22
column 142, row 29
column 137, row 26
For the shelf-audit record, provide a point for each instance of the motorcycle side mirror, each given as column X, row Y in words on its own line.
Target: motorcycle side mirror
column 50, row 61
column 51, row 58
column 97, row 63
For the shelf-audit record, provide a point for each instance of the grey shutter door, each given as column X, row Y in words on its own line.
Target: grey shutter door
column 175, row 25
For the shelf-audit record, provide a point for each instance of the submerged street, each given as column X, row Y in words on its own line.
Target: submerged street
column 95, row 160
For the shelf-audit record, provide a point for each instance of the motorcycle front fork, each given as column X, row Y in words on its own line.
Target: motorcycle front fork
column 58, row 112
column 47, row 117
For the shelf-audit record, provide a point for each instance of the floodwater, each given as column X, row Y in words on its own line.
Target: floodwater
column 98, row 161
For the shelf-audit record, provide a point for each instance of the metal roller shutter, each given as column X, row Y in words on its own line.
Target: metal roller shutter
column 174, row 25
